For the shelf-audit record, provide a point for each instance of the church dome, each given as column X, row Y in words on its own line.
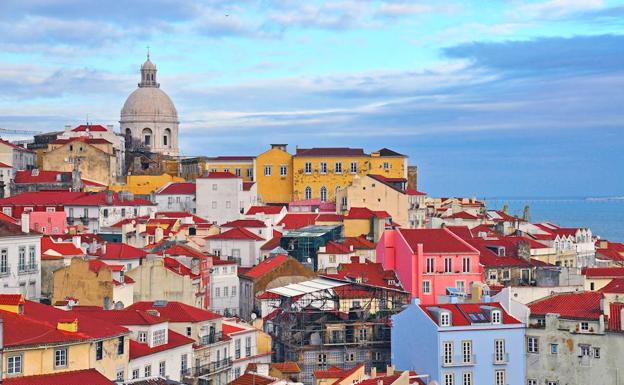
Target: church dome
column 149, row 104
column 148, row 65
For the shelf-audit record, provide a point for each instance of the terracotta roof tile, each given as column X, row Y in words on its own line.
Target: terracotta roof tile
column 436, row 241
column 179, row 188
column 176, row 311
column 175, row 340
column 236, row 233
column 269, row 210
column 74, row 377
column 265, row 266
column 582, row 305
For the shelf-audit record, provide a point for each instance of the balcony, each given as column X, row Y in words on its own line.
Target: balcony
column 459, row 360
column 212, row 367
column 211, row 338
column 500, row 358
column 28, row 269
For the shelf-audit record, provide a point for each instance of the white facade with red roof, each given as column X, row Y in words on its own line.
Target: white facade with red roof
column 176, row 196
column 20, row 260
column 7, row 173
column 572, row 240
column 222, row 196
column 238, row 244
column 271, row 215
column 15, row 156
column 244, row 345
column 224, row 287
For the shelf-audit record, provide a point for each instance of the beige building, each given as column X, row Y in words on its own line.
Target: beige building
column 93, row 283
column 377, row 193
column 94, row 158
column 155, row 280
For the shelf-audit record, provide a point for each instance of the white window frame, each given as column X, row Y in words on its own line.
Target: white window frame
column 338, row 168
column 60, row 358
column 307, row 167
column 426, row 287
column 445, row 319
column 268, row 170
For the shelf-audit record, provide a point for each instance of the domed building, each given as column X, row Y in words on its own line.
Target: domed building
column 149, row 119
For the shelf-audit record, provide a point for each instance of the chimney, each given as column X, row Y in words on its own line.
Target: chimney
column 526, row 216
column 412, row 177
column 374, row 371
column 389, row 370
column 76, row 241
column 92, row 246
column 25, row 223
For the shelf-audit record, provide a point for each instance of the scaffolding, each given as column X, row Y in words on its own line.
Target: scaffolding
column 340, row 323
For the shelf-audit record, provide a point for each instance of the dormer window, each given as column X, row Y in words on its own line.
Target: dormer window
column 159, row 337
column 496, row 316
column 584, row 326
column 445, row 319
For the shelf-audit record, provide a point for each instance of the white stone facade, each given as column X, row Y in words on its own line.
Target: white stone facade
column 221, row 198
column 225, row 289
column 20, row 264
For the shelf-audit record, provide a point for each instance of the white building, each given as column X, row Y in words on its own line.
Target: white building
column 243, row 345
column 271, row 215
column 222, row 196
column 6, row 174
column 149, row 118
column 20, row 260
column 238, row 244
column 176, row 196
column 18, row 157
column 104, row 209
column 225, row 287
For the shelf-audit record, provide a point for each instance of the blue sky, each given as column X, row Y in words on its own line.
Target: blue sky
column 488, row 98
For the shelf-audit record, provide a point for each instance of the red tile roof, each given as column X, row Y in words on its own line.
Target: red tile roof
column 179, row 268
column 331, row 372
column 122, row 251
column 411, row 191
column 266, row 266
column 245, row 223
column 359, row 243
column 175, row 340
column 236, row 233
column 367, row 273
column 272, row 243
column 181, row 188
column 248, row 185
column 11, row 299
column 336, row 248
column 42, row 176
column 330, row 151
column 603, row 272
column 463, row 215
column 8, row 219
column 176, row 311
column 95, row 265
column 365, row 213
column 216, row 261
column 436, row 241
column 41, row 198
column 49, row 249
column 121, row 317
column 294, row 221
column 616, row 286
column 182, row 250
column 93, row 128
column 14, row 146
column 4, row 165
column 460, row 311
column 252, row 379
column 74, row 377
column 38, row 325
column 99, row 199
column 219, row 175
column 461, row 231
column 269, row 210
column 231, row 329
column 84, row 139
column 328, row 217
column 582, row 305
column 286, row 367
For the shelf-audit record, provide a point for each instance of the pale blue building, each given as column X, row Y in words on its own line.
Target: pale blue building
column 460, row 343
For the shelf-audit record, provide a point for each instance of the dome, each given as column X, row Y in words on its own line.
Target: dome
column 149, row 103
column 148, row 65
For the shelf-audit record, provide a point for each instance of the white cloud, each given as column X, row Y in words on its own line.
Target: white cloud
column 553, row 9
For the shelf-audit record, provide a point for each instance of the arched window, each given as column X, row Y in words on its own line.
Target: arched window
column 323, row 194
column 308, row 192
column 147, row 136
column 166, row 138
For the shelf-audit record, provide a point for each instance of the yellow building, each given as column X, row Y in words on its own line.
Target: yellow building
column 275, row 175
column 144, row 184
column 317, row 173
column 40, row 339
column 93, row 157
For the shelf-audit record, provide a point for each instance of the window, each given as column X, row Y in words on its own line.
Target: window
column 492, row 276
column 120, row 345
column 386, row 166
column 338, row 168
column 228, row 204
column 165, row 140
column 332, row 258
column 214, row 187
column 461, row 286
column 22, row 259
column 60, row 358
column 135, row 374
column 449, row 379
column 147, row 371
column 448, row 265
column 531, row 382
column 308, row 193
column 584, row 350
column 233, row 291
column 50, row 209
column 217, row 292
column 307, row 167
column 14, row 364
column 162, row 368
column 226, row 291
column 430, row 265
column 584, row 326
column 120, row 375
column 323, row 194
column 532, row 345
column 247, row 346
column 467, row 351
column 466, row 265
column 445, row 319
column 496, row 316
column 237, row 349
column 159, row 337
column 237, row 372
column 184, row 362
column 249, row 173
column 353, row 167
column 499, row 377
column 99, row 350
column 142, row 337
column 189, row 331
column 214, row 204
column 448, row 352
column 506, row 275
column 268, row 170
column 554, row 349
column 323, row 167
column 321, row 360
column 226, row 170
column 237, row 172
column 4, row 261
column 499, row 351
column 426, row 287
column 283, row 170
column 467, row 378
column 596, row 352
column 349, row 357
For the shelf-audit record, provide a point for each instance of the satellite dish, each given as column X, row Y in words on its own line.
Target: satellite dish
column 309, row 260
column 253, row 316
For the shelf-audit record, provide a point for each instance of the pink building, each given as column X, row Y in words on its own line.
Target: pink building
column 428, row 261
column 48, row 222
